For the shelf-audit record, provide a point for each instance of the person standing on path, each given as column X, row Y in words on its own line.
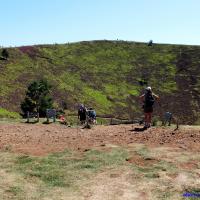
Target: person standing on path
column 148, row 99
column 82, row 112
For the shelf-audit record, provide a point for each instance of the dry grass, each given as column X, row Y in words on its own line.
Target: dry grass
column 97, row 174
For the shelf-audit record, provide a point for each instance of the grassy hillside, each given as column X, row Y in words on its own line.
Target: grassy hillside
column 108, row 75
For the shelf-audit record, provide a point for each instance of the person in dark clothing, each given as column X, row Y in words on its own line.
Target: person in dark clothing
column 82, row 112
column 148, row 98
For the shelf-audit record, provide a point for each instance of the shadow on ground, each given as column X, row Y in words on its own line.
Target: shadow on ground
column 139, row 129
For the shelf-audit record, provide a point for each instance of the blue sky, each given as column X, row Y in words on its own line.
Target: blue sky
column 27, row 22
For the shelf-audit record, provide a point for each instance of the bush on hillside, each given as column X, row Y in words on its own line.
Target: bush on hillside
column 5, row 54
column 7, row 114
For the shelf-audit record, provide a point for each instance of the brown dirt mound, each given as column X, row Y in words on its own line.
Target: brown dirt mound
column 138, row 160
column 40, row 139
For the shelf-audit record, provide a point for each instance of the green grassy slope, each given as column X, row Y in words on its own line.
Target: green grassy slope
column 107, row 75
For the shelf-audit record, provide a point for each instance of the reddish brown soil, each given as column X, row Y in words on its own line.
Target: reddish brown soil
column 38, row 139
column 139, row 160
column 189, row 165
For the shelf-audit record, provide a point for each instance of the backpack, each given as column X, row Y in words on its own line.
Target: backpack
column 149, row 100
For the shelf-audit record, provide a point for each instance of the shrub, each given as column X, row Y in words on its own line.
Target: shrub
column 37, row 98
column 7, row 114
column 5, row 54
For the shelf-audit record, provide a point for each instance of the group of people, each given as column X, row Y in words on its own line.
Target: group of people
column 86, row 115
column 148, row 99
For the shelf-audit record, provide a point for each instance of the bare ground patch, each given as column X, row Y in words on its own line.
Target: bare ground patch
column 110, row 162
column 41, row 139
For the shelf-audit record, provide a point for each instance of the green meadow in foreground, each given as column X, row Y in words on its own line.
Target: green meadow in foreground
column 124, row 173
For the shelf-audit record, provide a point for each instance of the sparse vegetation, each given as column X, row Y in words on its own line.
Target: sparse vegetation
column 106, row 75
column 63, row 169
column 70, row 173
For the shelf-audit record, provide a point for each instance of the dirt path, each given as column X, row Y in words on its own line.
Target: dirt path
column 38, row 139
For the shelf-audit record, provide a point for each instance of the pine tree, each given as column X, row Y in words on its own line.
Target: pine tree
column 37, row 98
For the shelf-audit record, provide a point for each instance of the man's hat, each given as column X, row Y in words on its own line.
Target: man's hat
column 148, row 88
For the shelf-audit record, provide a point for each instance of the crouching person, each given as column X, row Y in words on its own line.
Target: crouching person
column 91, row 116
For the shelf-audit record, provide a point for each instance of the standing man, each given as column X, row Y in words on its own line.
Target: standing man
column 82, row 112
column 148, row 98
